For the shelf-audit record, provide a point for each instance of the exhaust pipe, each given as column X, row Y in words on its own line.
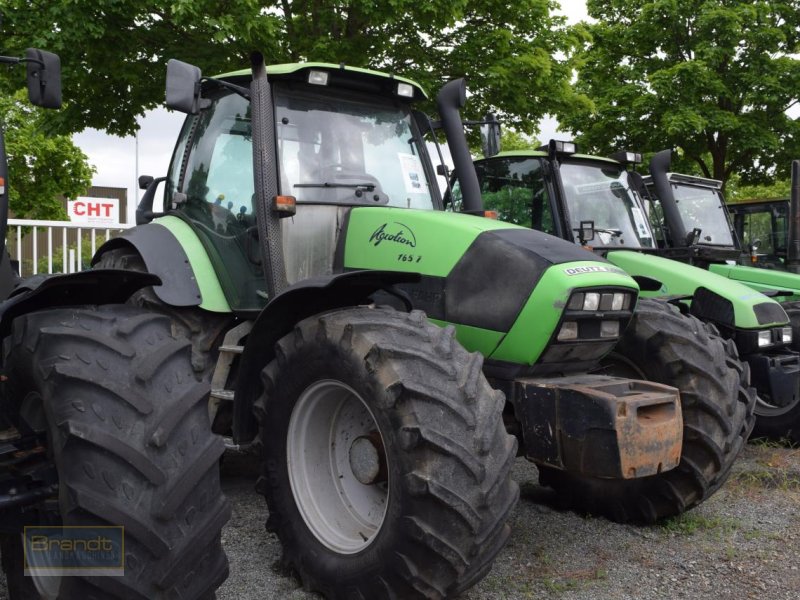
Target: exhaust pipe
column 659, row 167
column 793, row 243
column 449, row 101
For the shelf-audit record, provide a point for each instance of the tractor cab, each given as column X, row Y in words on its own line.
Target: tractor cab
column 693, row 224
column 762, row 227
column 343, row 138
column 588, row 200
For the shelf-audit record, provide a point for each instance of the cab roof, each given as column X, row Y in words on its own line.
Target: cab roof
column 543, row 154
column 339, row 76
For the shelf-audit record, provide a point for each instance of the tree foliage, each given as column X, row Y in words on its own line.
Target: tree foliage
column 40, row 167
column 713, row 78
column 778, row 190
column 114, row 51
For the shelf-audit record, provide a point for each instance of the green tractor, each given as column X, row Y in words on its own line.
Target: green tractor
column 594, row 202
column 692, row 224
column 103, row 426
column 348, row 330
column 599, row 203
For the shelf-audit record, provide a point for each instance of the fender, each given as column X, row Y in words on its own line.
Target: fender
column 171, row 250
column 309, row 297
column 106, row 286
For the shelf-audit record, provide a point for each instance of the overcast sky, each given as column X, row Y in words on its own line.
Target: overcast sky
column 114, row 158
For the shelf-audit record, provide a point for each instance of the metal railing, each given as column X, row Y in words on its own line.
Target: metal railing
column 55, row 246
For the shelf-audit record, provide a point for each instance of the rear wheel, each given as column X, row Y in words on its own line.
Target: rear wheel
column 665, row 346
column 204, row 329
column 128, row 431
column 387, row 465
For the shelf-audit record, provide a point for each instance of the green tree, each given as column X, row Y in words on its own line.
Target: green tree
column 713, row 78
column 40, row 167
column 114, row 51
column 738, row 192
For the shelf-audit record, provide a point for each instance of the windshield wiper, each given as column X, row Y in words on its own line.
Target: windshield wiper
column 611, row 232
column 356, row 186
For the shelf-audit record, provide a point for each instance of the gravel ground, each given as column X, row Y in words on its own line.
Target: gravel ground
column 744, row 542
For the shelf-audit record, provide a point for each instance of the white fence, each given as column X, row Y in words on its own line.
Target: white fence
column 55, row 246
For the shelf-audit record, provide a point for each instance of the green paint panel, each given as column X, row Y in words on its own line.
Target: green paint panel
column 762, row 279
column 416, row 241
column 538, row 319
column 681, row 279
column 213, row 298
column 474, row 339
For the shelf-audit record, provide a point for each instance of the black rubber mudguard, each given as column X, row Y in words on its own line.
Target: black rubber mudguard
column 103, row 286
column 164, row 256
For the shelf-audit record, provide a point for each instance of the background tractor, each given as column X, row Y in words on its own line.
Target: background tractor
column 600, row 202
column 102, row 422
column 692, row 224
column 589, row 201
column 348, row 329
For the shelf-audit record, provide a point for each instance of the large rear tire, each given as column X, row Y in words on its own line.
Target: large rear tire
column 204, row 329
column 127, row 427
column 387, row 465
column 665, row 346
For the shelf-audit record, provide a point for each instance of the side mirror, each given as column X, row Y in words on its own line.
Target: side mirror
column 490, row 136
column 754, row 245
column 145, row 181
column 44, row 78
column 144, row 212
column 183, row 88
column 585, row 232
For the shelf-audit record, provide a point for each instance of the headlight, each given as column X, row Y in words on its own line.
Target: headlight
column 591, row 301
column 599, row 302
column 620, row 301
column 764, row 338
column 609, row 329
column 568, row 331
column 786, row 335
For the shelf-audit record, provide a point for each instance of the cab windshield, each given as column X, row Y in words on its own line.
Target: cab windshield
column 601, row 193
column 703, row 208
column 334, row 149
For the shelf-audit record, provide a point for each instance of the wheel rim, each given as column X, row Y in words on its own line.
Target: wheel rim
column 47, row 586
column 337, row 466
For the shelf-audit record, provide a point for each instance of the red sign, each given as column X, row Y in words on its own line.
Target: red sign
column 94, row 211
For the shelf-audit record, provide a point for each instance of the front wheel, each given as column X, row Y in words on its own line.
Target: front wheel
column 781, row 421
column 665, row 346
column 127, row 427
column 387, row 465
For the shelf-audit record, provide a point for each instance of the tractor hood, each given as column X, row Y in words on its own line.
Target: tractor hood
column 479, row 274
column 762, row 279
column 725, row 301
